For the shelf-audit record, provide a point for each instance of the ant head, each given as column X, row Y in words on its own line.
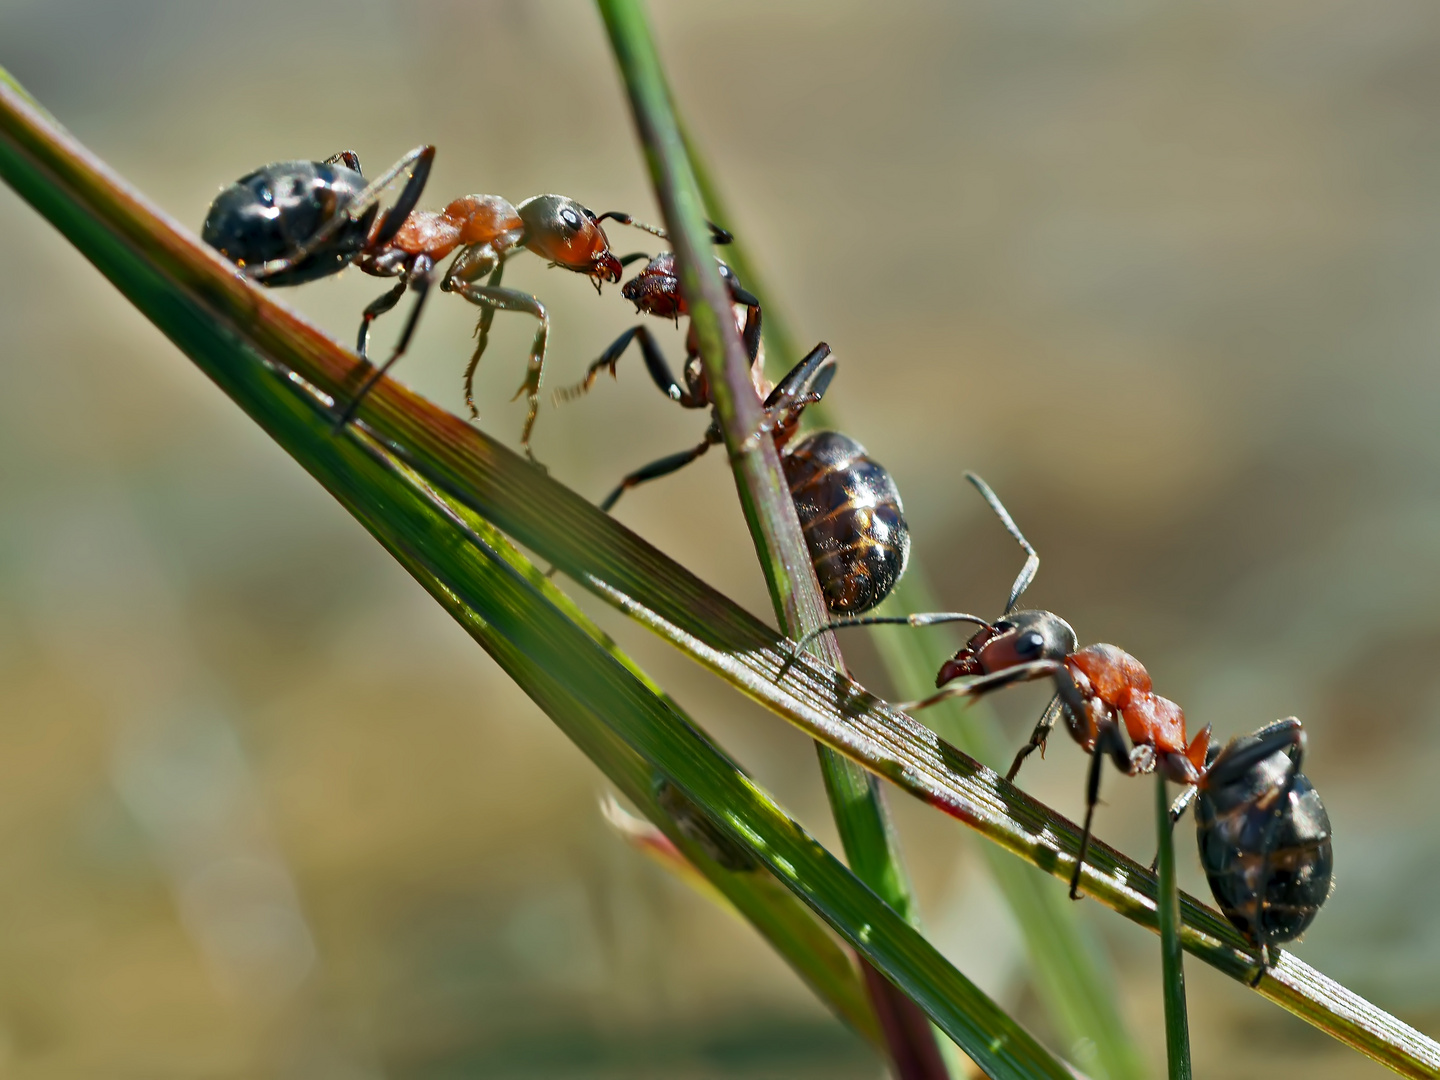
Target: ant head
column 1021, row 637
column 568, row 234
column 656, row 289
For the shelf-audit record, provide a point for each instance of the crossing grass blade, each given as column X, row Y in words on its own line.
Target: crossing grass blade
column 1072, row 975
column 272, row 360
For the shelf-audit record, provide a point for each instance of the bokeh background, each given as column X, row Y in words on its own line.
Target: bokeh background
column 1167, row 275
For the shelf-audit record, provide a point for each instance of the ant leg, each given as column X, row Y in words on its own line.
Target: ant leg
column 514, row 300
column 1177, row 811
column 1038, row 736
column 656, row 469
column 1108, row 741
column 373, row 312
column 487, row 315
column 1073, row 702
column 1235, row 760
column 751, row 335
column 655, row 363
column 803, row 377
column 420, row 276
column 1092, row 796
column 417, row 161
column 802, row 385
column 348, row 158
column 1032, row 560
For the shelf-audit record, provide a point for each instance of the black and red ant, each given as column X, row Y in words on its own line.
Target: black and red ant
column 1105, row 695
column 848, row 504
column 295, row 221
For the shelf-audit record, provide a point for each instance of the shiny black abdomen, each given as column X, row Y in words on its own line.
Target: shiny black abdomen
column 268, row 213
column 853, row 521
column 1232, row 843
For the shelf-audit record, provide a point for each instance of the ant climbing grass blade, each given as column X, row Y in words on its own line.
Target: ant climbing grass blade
column 239, row 335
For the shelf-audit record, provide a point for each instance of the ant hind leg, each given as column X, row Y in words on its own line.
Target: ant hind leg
column 419, row 278
column 373, row 311
column 656, row 469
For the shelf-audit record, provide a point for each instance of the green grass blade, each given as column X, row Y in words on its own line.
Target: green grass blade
column 1172, row 957
column 856, row 800
column 196, row 297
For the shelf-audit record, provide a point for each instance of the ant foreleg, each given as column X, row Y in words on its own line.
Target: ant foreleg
column 348, row 158
column 375, row 309
column 1037, row 737
column 656, row 469
column 1108, row 742
column 655, row 364
column 510, row 300
column 419, row 278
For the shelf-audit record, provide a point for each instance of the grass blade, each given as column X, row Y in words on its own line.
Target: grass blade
column 198, row 300
column 1172, row 957
column 856, row 801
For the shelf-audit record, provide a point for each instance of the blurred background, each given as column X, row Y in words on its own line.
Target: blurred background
column 1167, row 275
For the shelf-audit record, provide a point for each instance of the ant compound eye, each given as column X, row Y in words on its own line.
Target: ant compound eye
column 1029, row 645
column 570, row 218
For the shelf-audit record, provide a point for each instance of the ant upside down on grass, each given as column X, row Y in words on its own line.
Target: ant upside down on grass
column 1263, row 833
column 849, row 507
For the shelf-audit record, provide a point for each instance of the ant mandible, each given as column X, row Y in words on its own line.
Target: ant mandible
column 295, row 221
column 849, row 507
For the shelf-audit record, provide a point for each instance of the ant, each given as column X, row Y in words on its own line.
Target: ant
column 295, row 221
column 1263, row 833
column 1103, row 692
column 849, row 507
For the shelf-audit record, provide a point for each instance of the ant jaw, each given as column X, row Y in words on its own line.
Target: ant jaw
column 962, row 665
column 607, row 268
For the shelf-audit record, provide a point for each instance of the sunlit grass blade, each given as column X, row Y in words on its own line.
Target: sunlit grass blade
column 1172, row 957
column 200, row 302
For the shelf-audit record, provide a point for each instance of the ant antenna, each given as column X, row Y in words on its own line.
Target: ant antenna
column 1032, row 563
column 717, row 234
column 927, row 618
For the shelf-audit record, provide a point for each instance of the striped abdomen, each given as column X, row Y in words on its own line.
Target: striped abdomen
column 853, row 522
